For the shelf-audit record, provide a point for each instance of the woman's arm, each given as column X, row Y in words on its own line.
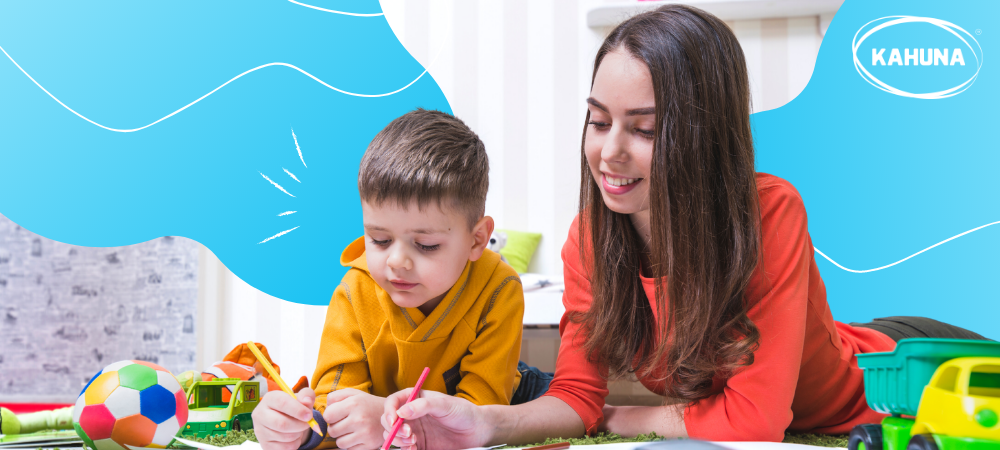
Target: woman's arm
column 533, row 422
column 631, row 421
column 439, row 421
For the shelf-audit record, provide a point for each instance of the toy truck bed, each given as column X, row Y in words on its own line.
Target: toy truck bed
column 894, row 381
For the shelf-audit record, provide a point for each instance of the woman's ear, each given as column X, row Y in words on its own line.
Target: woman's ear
column 481, row 233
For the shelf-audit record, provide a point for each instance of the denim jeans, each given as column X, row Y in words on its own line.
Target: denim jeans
column 534, row 383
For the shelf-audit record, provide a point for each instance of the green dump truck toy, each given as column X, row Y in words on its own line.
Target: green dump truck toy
column 209, row 413
column 942, row 394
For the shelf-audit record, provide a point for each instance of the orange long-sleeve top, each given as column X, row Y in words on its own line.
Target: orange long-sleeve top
column 805, row 375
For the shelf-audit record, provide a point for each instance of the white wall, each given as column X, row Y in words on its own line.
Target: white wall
column 517, row 72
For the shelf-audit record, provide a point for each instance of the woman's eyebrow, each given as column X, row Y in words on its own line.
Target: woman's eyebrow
column 598, row 104
column 641, row 111
column 632, row 112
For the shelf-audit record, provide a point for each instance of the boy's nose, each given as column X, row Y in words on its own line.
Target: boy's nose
column 398, row 260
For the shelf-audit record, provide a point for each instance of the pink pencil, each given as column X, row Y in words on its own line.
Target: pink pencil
column 413, row 396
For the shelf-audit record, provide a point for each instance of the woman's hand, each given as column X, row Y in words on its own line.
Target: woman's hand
column 435, row 421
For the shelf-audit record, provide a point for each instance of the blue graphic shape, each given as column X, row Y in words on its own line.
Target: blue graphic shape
column 885, row 176
column 199, row 172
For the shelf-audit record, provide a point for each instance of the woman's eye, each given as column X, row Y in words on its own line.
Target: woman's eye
column 600, row 125
column 384, row 243
column 428, row 248
column 645, row 133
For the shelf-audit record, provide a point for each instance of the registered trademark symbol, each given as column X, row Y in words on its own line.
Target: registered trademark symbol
column 978, row 31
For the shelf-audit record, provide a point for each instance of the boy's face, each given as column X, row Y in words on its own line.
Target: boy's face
column 417, row 255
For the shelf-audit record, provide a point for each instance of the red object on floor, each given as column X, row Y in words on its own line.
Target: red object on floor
column 21, row 408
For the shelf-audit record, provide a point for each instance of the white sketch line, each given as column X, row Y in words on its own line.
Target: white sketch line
column 908, row 257
column 277, row 235
column 337, row 12
column 291, row 174
column 118, row 130
column 275, row 184
column 298, row 149
column 287, row 213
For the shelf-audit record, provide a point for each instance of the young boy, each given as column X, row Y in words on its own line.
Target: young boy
column 422, row 291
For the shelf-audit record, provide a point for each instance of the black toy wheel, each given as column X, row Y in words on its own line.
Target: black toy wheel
column 866, row 437
column 236, row 424
column 922, row 442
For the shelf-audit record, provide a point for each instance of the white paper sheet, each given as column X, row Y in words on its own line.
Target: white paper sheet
column 543, row 308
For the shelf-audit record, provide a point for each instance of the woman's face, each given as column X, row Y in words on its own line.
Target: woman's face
column 619, row 138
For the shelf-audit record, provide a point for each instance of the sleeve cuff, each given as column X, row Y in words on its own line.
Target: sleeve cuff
column 315, row 438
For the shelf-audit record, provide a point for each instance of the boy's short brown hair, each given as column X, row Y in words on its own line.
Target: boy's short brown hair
column 427, row 156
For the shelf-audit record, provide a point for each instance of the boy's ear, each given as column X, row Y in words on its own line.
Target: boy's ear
column 481, row 233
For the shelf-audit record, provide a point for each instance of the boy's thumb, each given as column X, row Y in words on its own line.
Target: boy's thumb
column 307, row 397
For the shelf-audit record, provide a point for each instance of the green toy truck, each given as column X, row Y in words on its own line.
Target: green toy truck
column 942, row 394
column 209, row 414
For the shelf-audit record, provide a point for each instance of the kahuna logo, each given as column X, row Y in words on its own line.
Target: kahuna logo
column 918, row 57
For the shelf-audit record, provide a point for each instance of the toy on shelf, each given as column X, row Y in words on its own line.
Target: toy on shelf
column 950, row 388
column 130, row 404
column 211, row 414
column 53, row 419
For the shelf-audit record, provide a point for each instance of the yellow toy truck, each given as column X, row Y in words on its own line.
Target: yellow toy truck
column 942, row 394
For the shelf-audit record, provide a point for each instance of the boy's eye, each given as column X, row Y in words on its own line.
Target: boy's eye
column 600, row 125
column 381, row 243
column 428, row 248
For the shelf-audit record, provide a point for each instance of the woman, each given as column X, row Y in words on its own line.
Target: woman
column 748, row 347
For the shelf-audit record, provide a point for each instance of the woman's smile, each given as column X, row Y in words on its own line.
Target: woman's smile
column 618, row 185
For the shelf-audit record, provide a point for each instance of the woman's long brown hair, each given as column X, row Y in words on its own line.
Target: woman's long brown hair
column 704, row 214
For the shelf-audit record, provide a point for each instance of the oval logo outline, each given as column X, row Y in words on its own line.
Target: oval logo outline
column 897, row 20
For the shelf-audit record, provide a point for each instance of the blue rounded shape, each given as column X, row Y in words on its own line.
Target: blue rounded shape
column 157, row 403
column 99, row 372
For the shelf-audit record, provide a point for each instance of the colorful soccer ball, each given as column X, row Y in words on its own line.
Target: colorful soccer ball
column 130, row 404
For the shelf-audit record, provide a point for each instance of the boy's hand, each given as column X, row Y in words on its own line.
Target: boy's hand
column 281, row 422
column 354, row 419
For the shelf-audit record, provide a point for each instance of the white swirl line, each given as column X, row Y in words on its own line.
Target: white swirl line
column 275, row 184
column 210, row 93
column 277, row 235
column 291, row 174
column 337, row 12
column 908, row 257
column 299, row 149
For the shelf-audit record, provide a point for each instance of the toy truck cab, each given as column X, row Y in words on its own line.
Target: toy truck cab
column 209, row 415
column 942, row 394
column 962, row 399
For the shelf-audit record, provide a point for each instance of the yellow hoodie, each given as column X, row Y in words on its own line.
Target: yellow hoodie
column 471, row 341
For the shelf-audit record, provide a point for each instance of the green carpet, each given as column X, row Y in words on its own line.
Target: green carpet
column 819, row 440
